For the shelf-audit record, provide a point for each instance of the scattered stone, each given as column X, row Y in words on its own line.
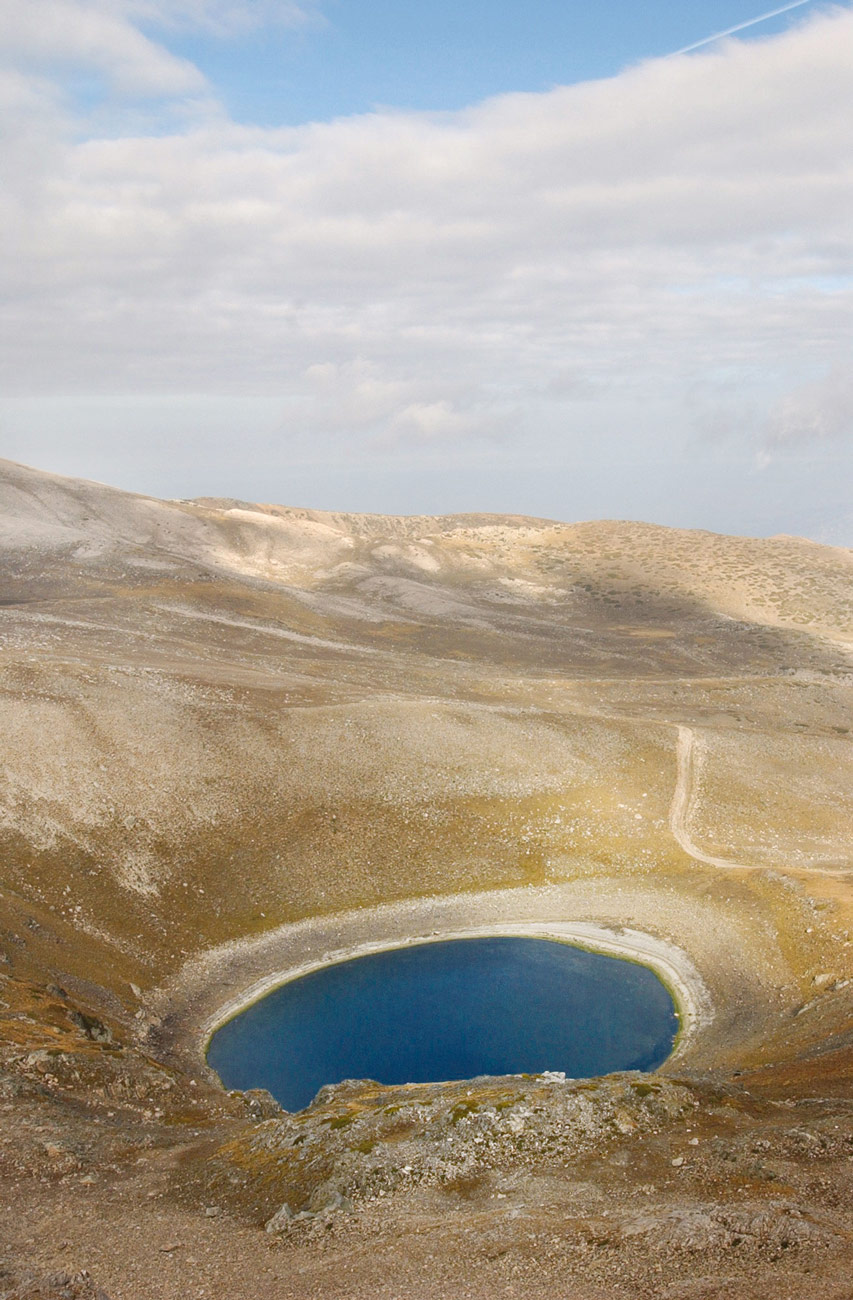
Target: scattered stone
column 55, row 1286
column 95, row 1030
column 260, row 1103
column 280, row 1221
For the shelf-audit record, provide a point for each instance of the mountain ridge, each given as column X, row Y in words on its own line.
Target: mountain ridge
column 224, row 729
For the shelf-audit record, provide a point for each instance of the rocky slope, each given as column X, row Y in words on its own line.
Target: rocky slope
column 219, row 719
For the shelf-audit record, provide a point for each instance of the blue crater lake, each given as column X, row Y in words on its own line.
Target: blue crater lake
column 447, row 1010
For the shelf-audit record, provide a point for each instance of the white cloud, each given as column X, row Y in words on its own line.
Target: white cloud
column 814, row 411
column 417, row 277
column 221, row 17
column 110, row 36
column 440, row 422
column 354, row 396
column 94, row 34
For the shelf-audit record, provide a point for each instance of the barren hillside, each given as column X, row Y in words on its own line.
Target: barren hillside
column 222, row 722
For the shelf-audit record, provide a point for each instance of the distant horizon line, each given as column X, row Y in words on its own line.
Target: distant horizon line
column 262, row 507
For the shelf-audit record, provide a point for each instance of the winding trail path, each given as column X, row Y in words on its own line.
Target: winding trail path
column 688, row 754
column 682, row 799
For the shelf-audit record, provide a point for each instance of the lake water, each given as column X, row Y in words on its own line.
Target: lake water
column 449, row 1010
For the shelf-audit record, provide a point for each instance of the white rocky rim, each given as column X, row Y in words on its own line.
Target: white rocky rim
column 670, row 963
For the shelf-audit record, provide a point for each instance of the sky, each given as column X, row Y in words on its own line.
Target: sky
column 552, row 259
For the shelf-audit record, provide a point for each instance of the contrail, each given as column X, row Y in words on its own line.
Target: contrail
column 730, row 31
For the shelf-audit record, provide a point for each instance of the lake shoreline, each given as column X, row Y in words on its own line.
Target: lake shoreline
column 667, row 962
column 450, row 1009
column 224, row 981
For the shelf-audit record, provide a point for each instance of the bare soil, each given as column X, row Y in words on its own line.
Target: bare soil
column 238, row 739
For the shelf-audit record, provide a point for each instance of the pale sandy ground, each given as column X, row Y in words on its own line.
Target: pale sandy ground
column 692, row 755
column 240, row 741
